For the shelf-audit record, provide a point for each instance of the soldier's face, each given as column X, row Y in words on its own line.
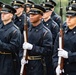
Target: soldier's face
column 19, row 10
column 71, row 21
column 27, row 9
column 6, row 16
column 47, row 14
column 34, row 18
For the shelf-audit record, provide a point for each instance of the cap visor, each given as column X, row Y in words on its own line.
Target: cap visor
column 3, row 11
column 70, row 14
column 15, row 7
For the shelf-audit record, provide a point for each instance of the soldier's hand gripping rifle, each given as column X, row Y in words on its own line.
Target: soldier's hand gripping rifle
column 23, row 67
column 60, row 59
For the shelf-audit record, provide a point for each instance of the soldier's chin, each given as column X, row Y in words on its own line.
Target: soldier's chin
column 31, row 20
column 68, row 24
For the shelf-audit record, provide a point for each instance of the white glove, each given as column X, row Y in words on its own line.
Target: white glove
column 27, row 45
column 58, row 71
column 62, row 53
column 23, row 61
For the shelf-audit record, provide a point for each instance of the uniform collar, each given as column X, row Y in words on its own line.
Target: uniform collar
column 37, row 28
column 7, row 26
column 20, row 17
column 47, row 20
column 72, row 30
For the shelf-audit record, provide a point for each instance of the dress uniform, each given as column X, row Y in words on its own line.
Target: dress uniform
column 19, row 20
column 50, row 23
column 10, row 37
column 56, row 18
column 54, row 28
column 39, row 41
column 69, row 50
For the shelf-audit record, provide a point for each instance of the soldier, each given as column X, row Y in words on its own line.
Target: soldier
column 54, row 15
column 69, row 3
column 54, row 28
column 19, row 18
column 39, row 41
column 69, row 50
column 28, row 6
column 9, row 42
column 49, row 22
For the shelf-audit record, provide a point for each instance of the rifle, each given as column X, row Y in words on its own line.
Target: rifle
column 61, row 60
column 25, row 55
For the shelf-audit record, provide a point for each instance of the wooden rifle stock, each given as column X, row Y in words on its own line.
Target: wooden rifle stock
column 61, row 60
column 61, row 43
column 25, row 55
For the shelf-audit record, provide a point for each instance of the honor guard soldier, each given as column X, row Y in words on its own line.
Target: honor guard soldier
column 19, row 18
column 54, row 15
column 54, row 28
column 0, row 10
column 39, row 41
column 69, row 3
column 28, row 5
column 9, row 42
column 69, row 50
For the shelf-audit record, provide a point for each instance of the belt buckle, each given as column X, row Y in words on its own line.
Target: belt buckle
column 32, row 58
column 4, row 52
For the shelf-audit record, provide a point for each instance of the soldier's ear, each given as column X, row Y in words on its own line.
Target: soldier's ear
column 11, row 15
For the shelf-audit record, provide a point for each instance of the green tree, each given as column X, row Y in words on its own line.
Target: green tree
column 38, row 1
column 6, row 1
column 64, row 3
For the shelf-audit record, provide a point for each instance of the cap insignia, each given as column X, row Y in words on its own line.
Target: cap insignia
column 3, row 6
column 14, row 2
column 44, row 5
column 70, row 8
column 73, row 1
column 33, row 6
column 47, row 0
